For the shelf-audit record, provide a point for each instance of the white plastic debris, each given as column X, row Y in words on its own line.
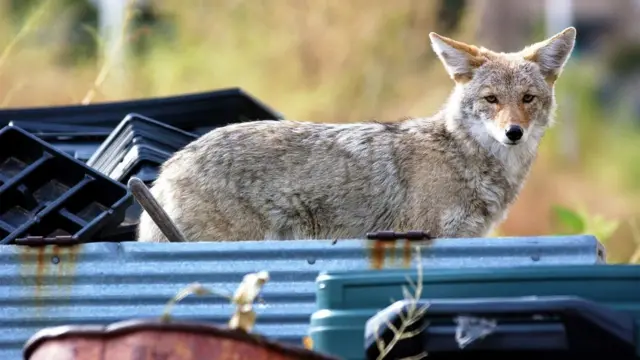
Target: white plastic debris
column 471, row 329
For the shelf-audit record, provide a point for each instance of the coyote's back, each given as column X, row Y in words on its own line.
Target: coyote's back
column 282, row 180
column 454, row 174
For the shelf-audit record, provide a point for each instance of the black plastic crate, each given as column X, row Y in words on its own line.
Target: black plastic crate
column 544, row 327
column 125, row 232
column 138, row 146
column 49, row 130
column 78, row 141
column 197, row 113
column 45, row 192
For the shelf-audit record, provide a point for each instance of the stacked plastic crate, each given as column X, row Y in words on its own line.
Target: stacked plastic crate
column 63, row 169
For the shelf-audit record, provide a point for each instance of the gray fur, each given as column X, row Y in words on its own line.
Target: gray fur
column 451, row 174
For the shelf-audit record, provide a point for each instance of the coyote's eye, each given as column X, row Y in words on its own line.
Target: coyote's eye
column 527, row 98
column 491, row 99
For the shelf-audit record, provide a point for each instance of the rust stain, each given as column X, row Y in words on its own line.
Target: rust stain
column 406, row 254
column 50, row 262
column 381, row 250
column 67, row 257
column 56, row 255
column 392, row 253
column 65, row 268
column 33, row 265
column 379, row 253
column 40, row 267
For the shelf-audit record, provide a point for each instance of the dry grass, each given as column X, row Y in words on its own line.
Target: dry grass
column 326, row 60
column 410, row 317
column 246, row 294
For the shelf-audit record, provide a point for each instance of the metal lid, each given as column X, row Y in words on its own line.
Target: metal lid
column 131, row 326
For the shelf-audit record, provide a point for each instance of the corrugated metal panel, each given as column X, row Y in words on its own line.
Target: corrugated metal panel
column 100, row 283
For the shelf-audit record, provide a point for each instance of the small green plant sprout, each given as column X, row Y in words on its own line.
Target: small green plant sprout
column 568, row 221
column 413, row 315
column 243, row 318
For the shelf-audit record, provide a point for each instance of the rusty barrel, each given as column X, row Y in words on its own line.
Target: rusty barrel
column 153, row 339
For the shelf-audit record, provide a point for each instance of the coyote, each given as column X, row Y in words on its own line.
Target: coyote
column 454, row 174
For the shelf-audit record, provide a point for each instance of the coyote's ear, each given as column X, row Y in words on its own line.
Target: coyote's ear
column 552, row 54
column 458, row 58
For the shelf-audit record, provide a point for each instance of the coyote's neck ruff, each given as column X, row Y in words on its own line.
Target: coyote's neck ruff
column 454, row 174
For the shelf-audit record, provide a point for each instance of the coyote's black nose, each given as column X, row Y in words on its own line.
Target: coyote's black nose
column 514, row 132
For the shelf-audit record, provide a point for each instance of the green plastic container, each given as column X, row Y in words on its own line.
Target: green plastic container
column 346, row 300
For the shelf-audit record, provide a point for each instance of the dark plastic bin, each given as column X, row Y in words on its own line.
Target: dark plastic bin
column 47, row 193
column 138, row 144
column 125, row 231
column 197, row 113
column 80, row 142
column 347, row 300
column 136, row 147
column 523, row 328
column 50, row 130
